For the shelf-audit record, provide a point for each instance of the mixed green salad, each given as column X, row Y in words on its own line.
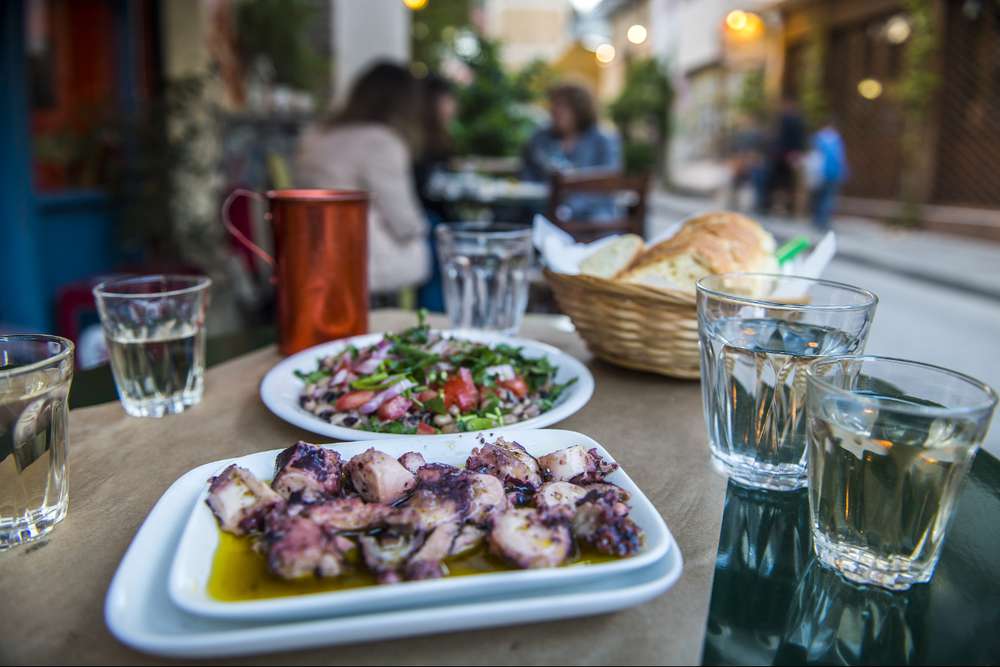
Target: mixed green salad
column 419, row 381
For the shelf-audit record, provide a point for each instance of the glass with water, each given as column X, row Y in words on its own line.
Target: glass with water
column 485, row 274
column 757, row 333
column 35, row 376
column 154, row 327
column 890, row 442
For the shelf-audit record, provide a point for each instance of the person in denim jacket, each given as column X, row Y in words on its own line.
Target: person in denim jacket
column 573, row 142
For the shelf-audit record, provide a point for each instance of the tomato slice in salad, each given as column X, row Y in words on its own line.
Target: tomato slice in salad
column 426, row 395
column 517, row 386
column 426, row 429
column 394, row 408
column 461, row 390
column 353, row 400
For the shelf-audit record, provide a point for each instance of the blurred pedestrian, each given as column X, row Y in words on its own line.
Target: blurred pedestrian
column 826, row 171
column 369, row 145
column 787, row 147
column 573, row 141
column 747, row 147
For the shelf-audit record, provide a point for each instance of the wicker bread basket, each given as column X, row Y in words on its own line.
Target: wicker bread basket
column 632, row 325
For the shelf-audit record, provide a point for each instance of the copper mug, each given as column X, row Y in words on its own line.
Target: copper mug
column 320, row 263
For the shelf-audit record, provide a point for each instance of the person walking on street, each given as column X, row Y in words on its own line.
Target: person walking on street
column 827, row 170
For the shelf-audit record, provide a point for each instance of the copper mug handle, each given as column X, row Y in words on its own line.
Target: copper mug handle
column 237, row 234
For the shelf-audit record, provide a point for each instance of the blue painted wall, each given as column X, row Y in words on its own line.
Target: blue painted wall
column 22, row 296
column 49, row 239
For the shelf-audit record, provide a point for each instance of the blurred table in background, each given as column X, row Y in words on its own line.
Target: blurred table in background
column 470, row 195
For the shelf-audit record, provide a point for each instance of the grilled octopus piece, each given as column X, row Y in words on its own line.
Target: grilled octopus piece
column 469, row 538
column 512, row 464
column 379, row 478
column 298, row 547
column 412, row 461
column 607, row 487
column 426, row 563
column 559, row 497
column 576, row 464
column 602, row 520
column 443, row 494
column 386, row 553
column 348, row 514
column 529, row 538
column 307, row 473
column 240, row 501
column 488, row 498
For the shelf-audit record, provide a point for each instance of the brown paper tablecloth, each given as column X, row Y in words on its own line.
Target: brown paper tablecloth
column 52, row 592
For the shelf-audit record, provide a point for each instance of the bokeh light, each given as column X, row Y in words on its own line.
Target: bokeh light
column 737, row 20
column 744, row 25
column 415, row 5
column 870, row 89
column 605, row 53
column 637, row 34
column 897, row 29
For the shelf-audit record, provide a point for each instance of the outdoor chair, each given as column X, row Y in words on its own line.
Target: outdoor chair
column 628, row 193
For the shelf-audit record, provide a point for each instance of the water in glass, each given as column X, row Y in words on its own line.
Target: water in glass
column 154, row 327
column 34, row 417
column 485, row 274
column 884, row 472
column 753, row 355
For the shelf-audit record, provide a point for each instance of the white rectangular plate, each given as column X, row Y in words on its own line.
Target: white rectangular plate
column 138, row 610
column 193, row 562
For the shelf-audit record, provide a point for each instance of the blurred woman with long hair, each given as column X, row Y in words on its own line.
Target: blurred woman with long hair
column 369, row 145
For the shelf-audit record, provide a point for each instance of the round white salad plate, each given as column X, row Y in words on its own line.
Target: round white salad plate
column 280, row 388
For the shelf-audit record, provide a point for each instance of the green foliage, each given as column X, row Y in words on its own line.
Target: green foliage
column 491, row 117
column 534, row 80
column 642, row 113
column 155, row 147
column 752, row 100
column 278, row 31
column 920, row 80
column 434, row 29
column 917, row 88
column 815, row 106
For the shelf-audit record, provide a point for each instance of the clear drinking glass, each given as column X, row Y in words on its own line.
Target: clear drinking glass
column 485, row 273
column 35, row 376
column 758, row 332
column 155, row 331
column 890, row 442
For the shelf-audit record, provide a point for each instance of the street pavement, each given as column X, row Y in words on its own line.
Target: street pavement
column 939, row 296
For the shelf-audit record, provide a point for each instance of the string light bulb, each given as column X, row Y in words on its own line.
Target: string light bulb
column 605, row 53
column 637, row 34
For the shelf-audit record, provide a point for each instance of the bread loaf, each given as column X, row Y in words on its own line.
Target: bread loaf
column 613, row 257
column 708, row 244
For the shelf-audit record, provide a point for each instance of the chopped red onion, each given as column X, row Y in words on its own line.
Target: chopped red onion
column 384, row 395
column 368, row 366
